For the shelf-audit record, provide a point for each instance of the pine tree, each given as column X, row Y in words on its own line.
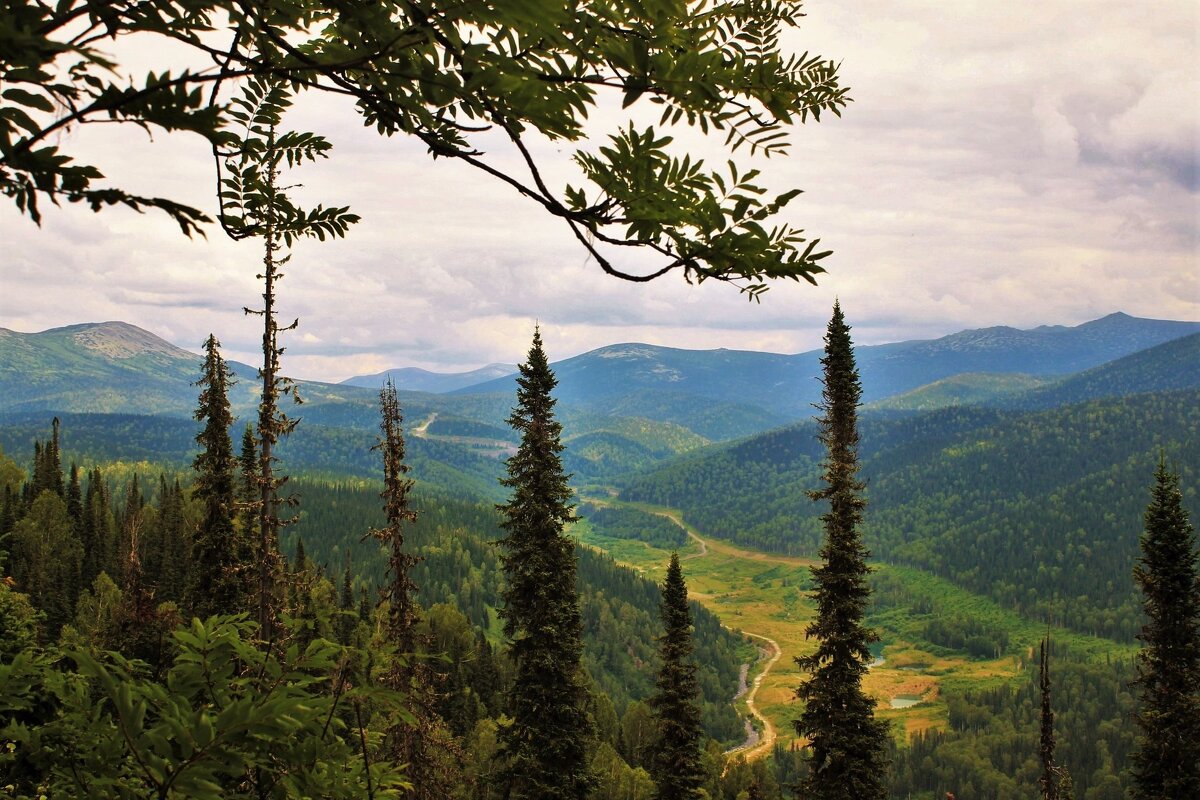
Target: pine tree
column 676, row 768
column 1166, row 763
column 848, row 745
column 544, row 749
column 220, row 555
column 421, row 742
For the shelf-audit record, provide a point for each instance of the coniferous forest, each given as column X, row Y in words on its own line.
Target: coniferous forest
column 640, row 573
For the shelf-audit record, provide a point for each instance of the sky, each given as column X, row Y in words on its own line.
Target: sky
column 1000, row 164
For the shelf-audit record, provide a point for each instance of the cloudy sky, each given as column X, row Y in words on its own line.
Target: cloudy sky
column 1019, row 164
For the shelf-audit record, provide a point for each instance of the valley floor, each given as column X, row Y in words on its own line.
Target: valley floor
column 765, row 596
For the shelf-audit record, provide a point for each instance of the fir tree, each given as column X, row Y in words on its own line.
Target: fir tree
column 174, row 561
column 847, row 744
column 98, row 532
column 675, row 764
column 47, row 467
column 127, row 541
column 1166, row 763
column 544, row 749
column 347, row 615
column 220, row 555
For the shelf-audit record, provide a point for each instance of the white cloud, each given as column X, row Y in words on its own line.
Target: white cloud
column 1001, row 164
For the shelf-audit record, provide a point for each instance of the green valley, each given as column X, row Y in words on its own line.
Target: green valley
column 1000, row 508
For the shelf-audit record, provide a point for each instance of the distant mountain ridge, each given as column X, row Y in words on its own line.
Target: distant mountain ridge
column 415, row 379
column 114, row 367
column 786, row 386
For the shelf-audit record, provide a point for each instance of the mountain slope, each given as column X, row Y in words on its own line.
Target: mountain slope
column 969, row 388
column 717, row 394
column 1171, row 366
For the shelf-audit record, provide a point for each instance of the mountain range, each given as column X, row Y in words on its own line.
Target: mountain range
column 87, row 367
column 626, row 406
column 984, row 451
column 786, row 385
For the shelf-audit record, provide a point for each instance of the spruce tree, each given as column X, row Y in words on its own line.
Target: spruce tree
column 847, row 744
column 220, row 555
column 1166, row 763
column 676, row 768
column 544, row 750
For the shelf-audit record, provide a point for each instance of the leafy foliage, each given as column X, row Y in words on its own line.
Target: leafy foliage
column 227, row 720
column 446, row 73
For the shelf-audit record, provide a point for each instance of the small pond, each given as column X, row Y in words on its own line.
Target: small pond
column 905, row 700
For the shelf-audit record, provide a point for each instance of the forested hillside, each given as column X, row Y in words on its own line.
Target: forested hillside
column 456, row 538
column 1039, row 510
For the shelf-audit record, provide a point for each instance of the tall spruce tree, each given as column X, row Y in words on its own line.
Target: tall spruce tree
column 1166, row 763
column 220, row 554
column 847, row 744
column 676, row 768
column 544, row 750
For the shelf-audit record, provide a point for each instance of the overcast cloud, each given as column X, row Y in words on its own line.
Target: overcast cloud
column 1002, row 164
